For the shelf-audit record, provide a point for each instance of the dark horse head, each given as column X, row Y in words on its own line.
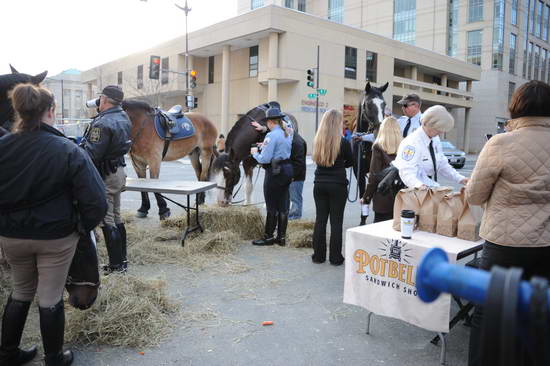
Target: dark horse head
column 226, row 167
column 7, row 83
column 371, row 109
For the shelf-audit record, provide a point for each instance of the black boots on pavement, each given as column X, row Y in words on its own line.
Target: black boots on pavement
column 122, row 231
column 272, row 220
column 52, row 329
column 13, row 322
column 116, row 249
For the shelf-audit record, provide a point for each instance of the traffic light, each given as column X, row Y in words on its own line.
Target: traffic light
column 192, row 102
column 196, row 104
column 193, row 82
column 154, row 67
column 311, row 78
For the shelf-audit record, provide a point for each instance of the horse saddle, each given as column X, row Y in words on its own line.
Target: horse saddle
column 173, row 125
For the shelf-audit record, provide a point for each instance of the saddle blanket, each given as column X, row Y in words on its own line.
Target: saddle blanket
column 173, row 128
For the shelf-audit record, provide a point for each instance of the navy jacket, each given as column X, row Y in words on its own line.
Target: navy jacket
column 47, row 185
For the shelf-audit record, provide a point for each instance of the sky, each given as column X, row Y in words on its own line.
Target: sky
column 56, row 35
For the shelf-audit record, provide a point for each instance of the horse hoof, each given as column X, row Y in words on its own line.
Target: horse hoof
column 141, row 214
column 164, row 215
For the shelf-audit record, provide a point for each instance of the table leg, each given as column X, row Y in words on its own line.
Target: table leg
column 368, row 321
column 443, row 355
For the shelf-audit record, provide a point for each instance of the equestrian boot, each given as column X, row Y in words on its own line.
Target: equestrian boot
column 282, row 222
column 122, row 231
column 13, row 322
column 270, row 223
column 113, row 242
column 52, row 329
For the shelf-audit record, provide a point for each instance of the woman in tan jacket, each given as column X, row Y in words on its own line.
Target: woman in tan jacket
column 512, row 179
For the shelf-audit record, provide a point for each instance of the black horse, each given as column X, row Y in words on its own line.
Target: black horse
column 7, row 83
column 226, row 167
column 370, row 115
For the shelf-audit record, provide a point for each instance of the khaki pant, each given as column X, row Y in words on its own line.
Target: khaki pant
column 115, row 184
column 39, row 267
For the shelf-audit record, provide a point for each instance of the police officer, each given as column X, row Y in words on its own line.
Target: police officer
column 420, row 158
column 107, row 139
column 275, row 155
column 410, row 122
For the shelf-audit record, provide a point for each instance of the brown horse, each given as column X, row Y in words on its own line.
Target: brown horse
column 147, row 149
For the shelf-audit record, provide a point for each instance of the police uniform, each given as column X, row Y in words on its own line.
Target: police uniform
column 275, row 156
column 413, row 125
column 107, row 140
column 416, row 165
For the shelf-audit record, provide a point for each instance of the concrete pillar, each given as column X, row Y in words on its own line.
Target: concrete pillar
column 226, row 68
column 414, row 72
column 273, row 63
column 469, row 85
column 467, row 130
column 444, row 83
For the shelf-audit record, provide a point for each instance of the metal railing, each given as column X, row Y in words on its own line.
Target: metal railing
column 72, row 127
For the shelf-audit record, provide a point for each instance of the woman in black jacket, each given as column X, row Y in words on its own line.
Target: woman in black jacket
column 49, row 189
column 332, row 154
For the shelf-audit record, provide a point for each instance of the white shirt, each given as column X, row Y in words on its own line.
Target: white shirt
column 415, row 123
column 414, row 161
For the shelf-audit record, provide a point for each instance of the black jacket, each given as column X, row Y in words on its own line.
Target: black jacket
column 298, row 157
column 46, row 184
column 337, row 172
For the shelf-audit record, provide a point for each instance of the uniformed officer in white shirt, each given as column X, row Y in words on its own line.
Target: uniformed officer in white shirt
column 410, row 122
column 420, row 158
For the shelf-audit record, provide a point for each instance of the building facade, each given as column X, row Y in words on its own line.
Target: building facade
column 70, row 94
column 508, row 39
column 263, row 55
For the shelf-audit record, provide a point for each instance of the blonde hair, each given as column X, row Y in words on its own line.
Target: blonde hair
column 389, row 136
column 326, row 145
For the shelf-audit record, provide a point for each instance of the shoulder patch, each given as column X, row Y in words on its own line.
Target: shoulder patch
column 408, row 152
column 95, row 134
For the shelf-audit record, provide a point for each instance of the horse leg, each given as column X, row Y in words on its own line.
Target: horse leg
column 194, row 157
column 248, row 166
column 164, row 211
column 206, row 157
column 141, row 171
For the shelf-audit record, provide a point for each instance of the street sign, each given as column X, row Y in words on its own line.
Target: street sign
column 322, row 91
column 312, row 95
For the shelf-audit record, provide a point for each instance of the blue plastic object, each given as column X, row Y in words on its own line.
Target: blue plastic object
column 435, row 275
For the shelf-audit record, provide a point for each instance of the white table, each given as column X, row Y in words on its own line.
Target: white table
column 380, row 274
column 186, row 188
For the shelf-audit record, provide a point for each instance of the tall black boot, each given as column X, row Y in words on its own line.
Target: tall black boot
column 363, row 220
column 270, row 223
column 13, row 322
column 113, row 242
column 122, row 231
column 52, row 329
column 282, row 222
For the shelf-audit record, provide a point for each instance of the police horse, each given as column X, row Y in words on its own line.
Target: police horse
column 167, row 136
column 226, row 168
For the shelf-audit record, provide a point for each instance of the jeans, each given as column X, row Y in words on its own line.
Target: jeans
column 295, row 190
column 330, row 201
column 533, row 261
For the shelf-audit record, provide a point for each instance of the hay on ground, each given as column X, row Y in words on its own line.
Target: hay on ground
column 129, row 312
column 300, row 233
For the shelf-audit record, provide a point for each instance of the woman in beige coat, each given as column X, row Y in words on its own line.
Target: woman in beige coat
column 512, row 179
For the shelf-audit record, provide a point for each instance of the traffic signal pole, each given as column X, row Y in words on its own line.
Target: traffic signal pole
column 317, row 98
column 186, row 9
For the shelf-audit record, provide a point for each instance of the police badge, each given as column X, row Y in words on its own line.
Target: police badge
column 95, row 134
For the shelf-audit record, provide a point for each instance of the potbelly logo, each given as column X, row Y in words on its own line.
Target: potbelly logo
column 389, row 267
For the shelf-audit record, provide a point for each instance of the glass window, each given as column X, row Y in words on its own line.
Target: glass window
column 512, row 61
column 530, row 60
column 164, row 67
column 538, row 26
column 452, row 41
column 211, row 69
column 526, row 24
column 302, row 5
column 372, row 60
column 254, row 4
column 253, row 61
column 537, row 63
column 475, row 10
column 543, row 62
column 140, row 77
column 474, row 47
column 336, row 10
column 350, row 71
column 289, row 4
column 532, row 17
column 404, row 21
column 498, row 34
column 119, row 78
column 545, row 20
column 511, row 89
column 514, row 13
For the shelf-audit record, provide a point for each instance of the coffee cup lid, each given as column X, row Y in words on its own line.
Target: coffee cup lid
column 407, row 213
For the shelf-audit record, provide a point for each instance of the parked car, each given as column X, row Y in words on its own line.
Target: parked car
column 456, row 157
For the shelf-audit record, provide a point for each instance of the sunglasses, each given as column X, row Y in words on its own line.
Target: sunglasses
column 407, row 105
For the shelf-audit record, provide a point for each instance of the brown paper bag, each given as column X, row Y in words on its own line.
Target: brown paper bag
column 448, row 213
column 469, row 222
column 429, row 204
column 406, row 199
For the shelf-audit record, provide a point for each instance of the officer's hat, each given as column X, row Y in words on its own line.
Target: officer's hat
column 114, row 92
column 273, row 113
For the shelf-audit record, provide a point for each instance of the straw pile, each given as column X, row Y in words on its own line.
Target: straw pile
column 300, row 233
column 129, row 311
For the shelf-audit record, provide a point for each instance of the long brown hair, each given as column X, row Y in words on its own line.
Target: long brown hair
column 326, row 145
column 30, row 102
